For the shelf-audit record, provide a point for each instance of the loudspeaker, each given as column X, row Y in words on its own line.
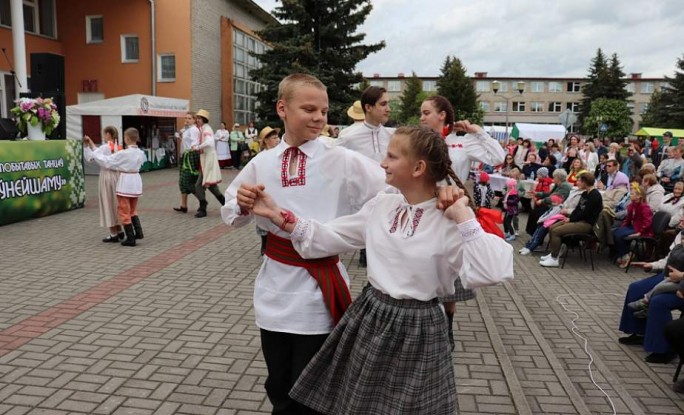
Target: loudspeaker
column 8, row 130
column 47, row 72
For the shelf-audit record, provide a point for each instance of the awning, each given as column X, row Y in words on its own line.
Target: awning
column 658, row 132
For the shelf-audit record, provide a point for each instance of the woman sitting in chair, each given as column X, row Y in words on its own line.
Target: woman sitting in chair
column 638, row 222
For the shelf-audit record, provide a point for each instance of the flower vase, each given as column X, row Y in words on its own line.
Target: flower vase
column 35, row 133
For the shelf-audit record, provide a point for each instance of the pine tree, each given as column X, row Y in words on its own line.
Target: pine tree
column 317, row 37
column 593, row 89
column 409, row 101
column 458, row 88
column 606, row 80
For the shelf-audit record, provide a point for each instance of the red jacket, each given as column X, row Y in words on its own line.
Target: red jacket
column 543, row 185
column 640, row 217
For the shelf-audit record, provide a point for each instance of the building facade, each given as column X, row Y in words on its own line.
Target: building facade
column 200, row 50
column 542, row 101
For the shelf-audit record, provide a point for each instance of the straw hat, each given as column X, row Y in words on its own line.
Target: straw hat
column 355, row 112
column 265, row 132
column 203, row 113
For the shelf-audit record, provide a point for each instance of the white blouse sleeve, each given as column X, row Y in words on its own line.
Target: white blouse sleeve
column 117, row 161
column 483, row 148
column 480, row 258
column 364, row 179
column 313, row 239
column 230, row 211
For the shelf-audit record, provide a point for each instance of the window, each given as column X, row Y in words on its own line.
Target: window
column 484, row 106
column 94, row 29
column 572, row 106
column 555, row 106
column 537, row 107
column 130, row 48
column 500, row 106
column 643, row 107
column 647, row 87
column 429, row 86
column 166, row 67
column 393, row 86
column 536, row 86
column 518, row 106
column 555, row 87
column 482, row 86
column 503, row 86
column 376, row 83
column 5, row 13
column 39, row 16
column 664, row 85
column 630, row 87
column 244, row 88
column 574, row 86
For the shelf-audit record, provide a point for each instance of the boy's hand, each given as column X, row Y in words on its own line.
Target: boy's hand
column 460, row 210
column 645, row 265
column 675, row 275
column 247, row 194
column 446, row 196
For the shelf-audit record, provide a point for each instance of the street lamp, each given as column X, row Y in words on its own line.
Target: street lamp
column 496, row 85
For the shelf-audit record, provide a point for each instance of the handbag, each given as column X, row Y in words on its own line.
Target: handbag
column 242, row 146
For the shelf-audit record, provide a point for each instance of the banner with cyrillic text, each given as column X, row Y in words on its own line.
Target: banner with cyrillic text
column 39, row 178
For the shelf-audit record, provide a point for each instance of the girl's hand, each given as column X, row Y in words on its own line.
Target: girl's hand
column 459, row 211
column 265, row 206
column 446, row 196
column 466, row 126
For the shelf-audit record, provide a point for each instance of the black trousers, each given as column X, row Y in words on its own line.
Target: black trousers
column 286, row 356
column 235, row 157
column 674, row 334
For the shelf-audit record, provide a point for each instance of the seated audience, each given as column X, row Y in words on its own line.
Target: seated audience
column 638, row 222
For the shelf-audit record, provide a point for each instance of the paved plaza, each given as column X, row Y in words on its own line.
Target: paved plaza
column 168, row 327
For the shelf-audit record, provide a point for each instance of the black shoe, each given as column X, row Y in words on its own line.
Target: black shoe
column 663, row 358
column 181, row 209
column 135, row 221
column 678, row 386
column 121, row 235
column 202, row 211
column 111, row 238
column 632, row 339
column 130, row 236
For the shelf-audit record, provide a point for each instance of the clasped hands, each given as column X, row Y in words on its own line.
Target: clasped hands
column 253, row 198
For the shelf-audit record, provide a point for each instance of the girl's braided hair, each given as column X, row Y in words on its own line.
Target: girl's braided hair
column 428, row 145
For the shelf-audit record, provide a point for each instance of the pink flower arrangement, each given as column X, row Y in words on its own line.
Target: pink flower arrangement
column 36, row 111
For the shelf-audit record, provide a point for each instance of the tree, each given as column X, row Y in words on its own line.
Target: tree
column 605, row 80
column 409, row 105
column 316, row 37
column 614, row 113
column 666, row 108
column 457, row 87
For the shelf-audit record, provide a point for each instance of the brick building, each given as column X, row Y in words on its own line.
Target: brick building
column 200, row 50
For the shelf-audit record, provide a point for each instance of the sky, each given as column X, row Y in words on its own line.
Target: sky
column 526, row 38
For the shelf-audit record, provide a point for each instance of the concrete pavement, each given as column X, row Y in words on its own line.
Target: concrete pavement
column 168, row 327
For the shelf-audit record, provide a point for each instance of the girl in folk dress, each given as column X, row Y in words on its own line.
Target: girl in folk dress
column 129, row 187
column 107, row 186
column 437, row 114
column 390, row 353
column 222, row 137
column 510, row 204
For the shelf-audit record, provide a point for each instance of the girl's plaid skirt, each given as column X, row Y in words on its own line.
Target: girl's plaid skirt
column 189, row 171
column 461, row 294
column 386, row 356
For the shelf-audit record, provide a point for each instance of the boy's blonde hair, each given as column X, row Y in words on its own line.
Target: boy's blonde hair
column 132, row 134
column 291, row 82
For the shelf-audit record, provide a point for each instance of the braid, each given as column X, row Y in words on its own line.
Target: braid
column 460, row 185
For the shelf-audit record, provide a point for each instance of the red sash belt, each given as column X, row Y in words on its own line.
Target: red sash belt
column 324, row 270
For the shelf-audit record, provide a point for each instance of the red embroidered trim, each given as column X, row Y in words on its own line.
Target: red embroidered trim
column 300, row 179
column 455, row 145
column 415, row 222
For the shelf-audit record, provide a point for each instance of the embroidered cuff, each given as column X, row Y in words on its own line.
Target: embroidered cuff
column 300, row 231
column 470, row 230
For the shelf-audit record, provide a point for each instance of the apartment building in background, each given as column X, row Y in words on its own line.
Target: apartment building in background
column 201, row 50
column 541, row 102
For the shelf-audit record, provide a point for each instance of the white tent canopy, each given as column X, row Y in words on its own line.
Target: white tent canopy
column 111, row 110
column 538, row 132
